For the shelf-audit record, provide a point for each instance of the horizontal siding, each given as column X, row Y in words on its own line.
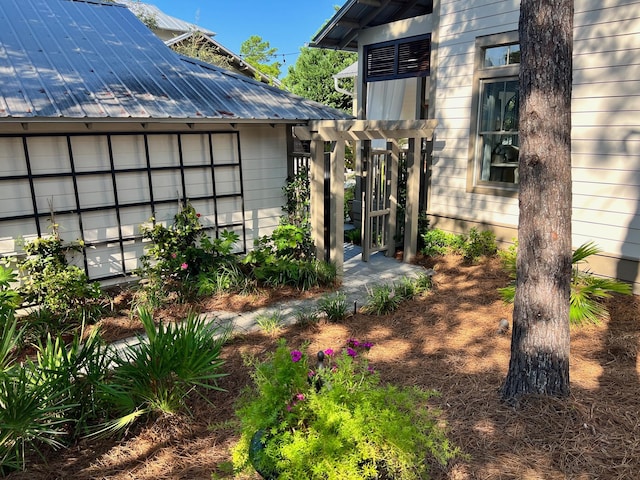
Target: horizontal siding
column 606, row 119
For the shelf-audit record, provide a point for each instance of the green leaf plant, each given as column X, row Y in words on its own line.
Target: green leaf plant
column 157, row 374
column 587, row 290
column 331, row 418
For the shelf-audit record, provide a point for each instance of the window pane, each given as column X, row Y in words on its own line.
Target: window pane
column 501, row 56
column 499, row 106
column 498, row 145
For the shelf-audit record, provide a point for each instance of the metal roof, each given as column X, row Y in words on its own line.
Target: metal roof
column 341, row 32
column 236, row 62
column 161, row 19
column 82, row 59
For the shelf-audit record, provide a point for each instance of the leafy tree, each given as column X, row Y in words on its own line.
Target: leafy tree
column 312, row 76
column 539, row 361
column 258, row 53
column 197, row 47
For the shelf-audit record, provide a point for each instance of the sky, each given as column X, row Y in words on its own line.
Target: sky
column 286, row 24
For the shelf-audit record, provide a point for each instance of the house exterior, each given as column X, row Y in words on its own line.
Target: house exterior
column 103, row 127
column 457, row 62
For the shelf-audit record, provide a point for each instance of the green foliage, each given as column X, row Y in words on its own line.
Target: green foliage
column 198, row 47
column 270, row 323
column 10, row 299
column 587, row 290
column 63, row 291
column 478, row 244
column 285, row 258
column 32, row 413
column 438, row 242
column 77, row 369
column 157, row 374
column 335, row 421
column 258, row 53
column 307, row 316
column 298, row 199
column 334, row 306
column 312, row 77
column 178, row 256
column 472, row 246
column 381, row 299
column 349, row 196
column 353, row 236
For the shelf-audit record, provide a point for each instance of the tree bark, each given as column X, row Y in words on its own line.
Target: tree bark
column 539, row 361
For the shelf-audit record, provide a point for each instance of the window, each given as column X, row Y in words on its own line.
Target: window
column 405, row 58
column 494, row 129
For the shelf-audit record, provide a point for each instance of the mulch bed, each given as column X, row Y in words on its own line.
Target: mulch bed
column 447, row 340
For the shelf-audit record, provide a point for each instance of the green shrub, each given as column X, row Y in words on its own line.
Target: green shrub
column 156, row 375
column 587, row 291
column 438, row 242
column 178, row 254
column 335, row 420
column 478, row 244
column 334, row 306
column 381, row 300
column 60, row 289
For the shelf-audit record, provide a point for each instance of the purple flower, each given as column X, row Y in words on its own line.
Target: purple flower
column 371, row 369
column 300, row 397
column 367, row 345
column 329, row 352
column 351, row 352
column 296, row 355
column 311, row 374
column 352, row 342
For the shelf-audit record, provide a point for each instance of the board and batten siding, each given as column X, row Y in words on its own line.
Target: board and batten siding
column 118, row 181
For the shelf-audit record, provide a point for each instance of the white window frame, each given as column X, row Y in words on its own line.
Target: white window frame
column 484, row 75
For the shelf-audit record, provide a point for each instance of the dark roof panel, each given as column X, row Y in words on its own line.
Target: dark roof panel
column 86, row 59
column 341, row 31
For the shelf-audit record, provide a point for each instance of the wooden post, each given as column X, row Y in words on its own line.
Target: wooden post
column 316, row 179
column 411, row 211
column 393, row 197
column 336, row 253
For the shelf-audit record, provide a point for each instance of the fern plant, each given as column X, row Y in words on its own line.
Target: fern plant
column 587, row 290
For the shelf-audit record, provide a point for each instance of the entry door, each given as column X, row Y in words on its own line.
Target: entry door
column 380, row 201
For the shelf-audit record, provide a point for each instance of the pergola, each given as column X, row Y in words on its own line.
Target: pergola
column 363, row 132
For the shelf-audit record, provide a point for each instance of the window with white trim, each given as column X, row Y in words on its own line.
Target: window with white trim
column 494, row 130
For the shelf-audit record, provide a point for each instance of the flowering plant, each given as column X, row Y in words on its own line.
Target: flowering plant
column 331, row 418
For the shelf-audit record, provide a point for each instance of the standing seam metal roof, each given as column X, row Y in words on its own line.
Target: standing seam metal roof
column 85, row 59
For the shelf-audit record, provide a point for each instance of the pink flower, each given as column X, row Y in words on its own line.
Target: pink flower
column 184, row 266
column 296, row 355
column 300, row 397
column 197, row 215
column 174, row 255
column 329, row 352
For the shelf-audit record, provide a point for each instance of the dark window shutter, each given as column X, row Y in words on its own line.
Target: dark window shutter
column 381, row 62
column 404, row 58
column 413, row 57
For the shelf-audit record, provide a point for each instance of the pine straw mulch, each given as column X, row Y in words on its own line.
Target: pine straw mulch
column 447, row 340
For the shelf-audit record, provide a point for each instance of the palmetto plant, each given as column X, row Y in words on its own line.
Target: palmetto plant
column 587, row 290
column 156, row 375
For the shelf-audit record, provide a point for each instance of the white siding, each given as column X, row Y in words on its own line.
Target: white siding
column 75, row 171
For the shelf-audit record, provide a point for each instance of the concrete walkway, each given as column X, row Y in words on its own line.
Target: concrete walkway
column 358, row 277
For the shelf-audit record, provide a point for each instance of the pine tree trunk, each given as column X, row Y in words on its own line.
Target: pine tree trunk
column 539, row 361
